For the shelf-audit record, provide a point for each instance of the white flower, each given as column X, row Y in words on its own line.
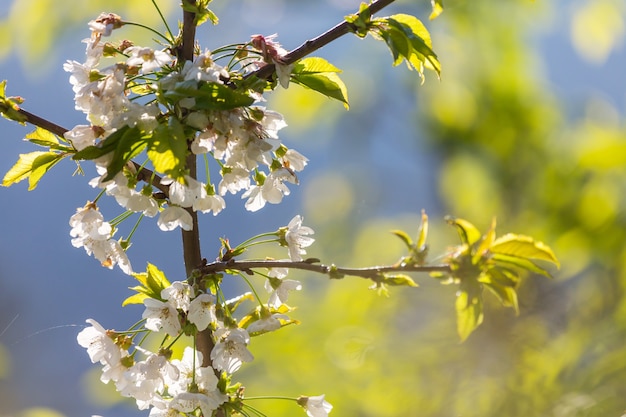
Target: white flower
column 147, row 58
column 230, row 351
column 145, row 379
column 90, row 231
column 178, row 294
column 100, row 346
column 81, row 136
column 208, row 402
column 271, row 191
column 296, row 238
column 284, row 73
column 160, row 315
column 234, row 179
column 294, row 160
column 172, row 217
column 209, row 202
column 315, row 406
column 279, row 289
column 202, row 311
column 267, row 324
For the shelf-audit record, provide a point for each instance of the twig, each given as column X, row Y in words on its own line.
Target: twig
column 312, row 45
column 143, row 174
column 373, row 272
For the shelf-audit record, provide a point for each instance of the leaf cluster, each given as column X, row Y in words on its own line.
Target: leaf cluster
column 487, row 261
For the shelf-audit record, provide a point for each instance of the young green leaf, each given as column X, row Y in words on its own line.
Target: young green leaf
column 9, row 106
column 469, row 310
column 502, row 285
column 399, row 280
column 437, row 9
column 130, row 144
column 33, row 166
column 422, row 232
column 523, row 247
column 420, row 41
column 167, row 149
column 404, row 237
column 319, row 75
column 522, row 263
column 153, row 281
column 41, row 165
column 468, row 233
column 45, row 138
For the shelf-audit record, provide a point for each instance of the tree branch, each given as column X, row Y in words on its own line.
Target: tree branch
column 333, row 271
column 313, row 45
column 143, row 174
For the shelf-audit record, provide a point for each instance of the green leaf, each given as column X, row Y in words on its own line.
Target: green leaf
column 153, row 281
column 419, row 37
column 469, row 309
column 135, row 298
column 422, row 232
column 109, row 144
column 437, row 9
column 522, row 263
column 32, row 166
column 209, row 95
column 319, row 75
column 468, row 233
column 41, row 165
column 129, row 145
column 485, row 243
column 167, row 149
column 502, row 283
column 22, row 168
column 201, row 11
column 45, row 138
column 404, row 237
column 399, row 280
column 523, row 247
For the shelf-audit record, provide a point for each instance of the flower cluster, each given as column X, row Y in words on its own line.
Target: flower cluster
column 169, row 387
column 151, row 97
column 90, row 231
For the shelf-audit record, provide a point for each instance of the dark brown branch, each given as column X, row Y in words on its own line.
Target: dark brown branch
column 313, row 45
column 333, row 271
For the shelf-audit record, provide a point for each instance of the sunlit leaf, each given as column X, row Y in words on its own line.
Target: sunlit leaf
column 43, row 137
column 486, row 242
column 522, row 263
column 167, row 149
column 22, row 168
column 399, row 280
column 41, row 165
column 523, row 247
column 153, row 281
column 502, row 285
column 422, row 232
column 319, row 75
column 468, row 233
column 437, row 9
column 419, row 39
column 404, row 237
column 33, row 166
column 130, row 144
column 469, row 309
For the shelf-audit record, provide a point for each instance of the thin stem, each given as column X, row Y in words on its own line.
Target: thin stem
column 169, row 41
column 167, row 27
column 312, row 45
column 252, row 288
column 333, row 271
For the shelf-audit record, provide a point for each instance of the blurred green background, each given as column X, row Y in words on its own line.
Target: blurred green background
column 527, row 124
